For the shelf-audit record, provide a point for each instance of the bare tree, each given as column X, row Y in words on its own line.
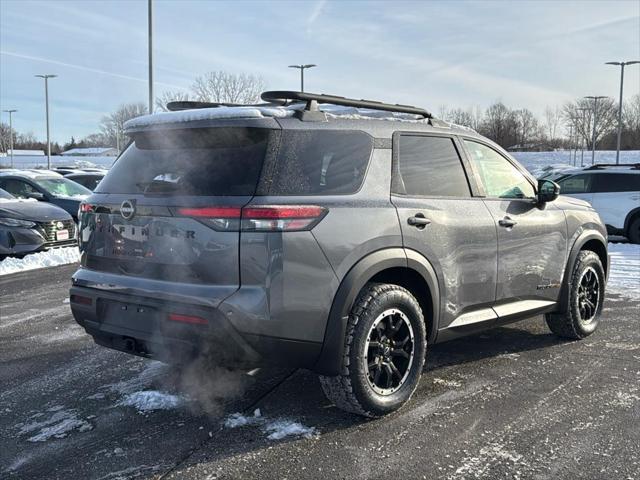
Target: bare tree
column 631, row 121
column 580, row 114
column 170, row 96
column 228, row 88
column 527, row 127
column 112, row 125
column 5, row 137
column 552, row 117
column 500, row 125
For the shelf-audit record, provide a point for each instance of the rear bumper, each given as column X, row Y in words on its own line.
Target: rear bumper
column 141, row 326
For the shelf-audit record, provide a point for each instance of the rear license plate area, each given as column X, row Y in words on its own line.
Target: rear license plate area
column 140, row 318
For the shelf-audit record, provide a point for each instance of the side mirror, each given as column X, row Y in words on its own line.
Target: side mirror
column 36, row 196
column 548, row 191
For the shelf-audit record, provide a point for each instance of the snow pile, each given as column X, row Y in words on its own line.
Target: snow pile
column 274, row 429
column 150, row 400
column 280, row 429
column 624, row 275
column 50, row 258
column 58, row 425
column 238, row 420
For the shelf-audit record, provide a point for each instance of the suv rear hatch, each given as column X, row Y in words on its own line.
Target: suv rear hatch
column 169, row 211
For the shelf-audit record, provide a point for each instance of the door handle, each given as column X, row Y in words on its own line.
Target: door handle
column 507, row 222
column 418, row 221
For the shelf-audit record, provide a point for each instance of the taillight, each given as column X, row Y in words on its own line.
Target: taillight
column 86, row 208
column 280, row 218
column 258, row 218
column 191, row 319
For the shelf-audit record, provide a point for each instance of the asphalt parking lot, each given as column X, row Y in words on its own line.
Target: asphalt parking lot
column 513, row 402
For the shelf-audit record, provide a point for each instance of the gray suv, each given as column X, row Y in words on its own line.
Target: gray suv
column 320, row 232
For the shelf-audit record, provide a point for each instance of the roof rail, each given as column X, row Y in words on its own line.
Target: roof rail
column 192, row 104
column 313, row 99
column 598, row 166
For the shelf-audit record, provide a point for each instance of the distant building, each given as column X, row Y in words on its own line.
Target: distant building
column 91, row 152
column 29, row 153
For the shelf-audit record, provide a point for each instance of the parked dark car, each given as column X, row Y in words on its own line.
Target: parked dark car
column 45, row 186
column 86, row 179
column 342, row 240
column 28, row 226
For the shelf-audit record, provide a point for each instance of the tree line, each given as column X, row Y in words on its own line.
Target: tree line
column 566, row 126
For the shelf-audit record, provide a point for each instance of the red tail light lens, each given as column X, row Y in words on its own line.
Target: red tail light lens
column 86, row 208
column 211, row 212
column 258, row 218
column 191, row 319
column 280, row 218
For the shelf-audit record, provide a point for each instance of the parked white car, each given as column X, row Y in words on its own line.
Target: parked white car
column 613, row 190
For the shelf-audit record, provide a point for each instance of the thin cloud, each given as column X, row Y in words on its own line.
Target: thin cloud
column 83, row 68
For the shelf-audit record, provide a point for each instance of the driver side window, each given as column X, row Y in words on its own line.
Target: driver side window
column 18, row 188
column 499, row 177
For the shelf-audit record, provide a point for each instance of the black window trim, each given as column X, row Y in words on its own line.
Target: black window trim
column 474, row 192
column 525, row 173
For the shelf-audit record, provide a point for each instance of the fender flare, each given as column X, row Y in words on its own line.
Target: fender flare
column 583, row 238
column 627, row 220
column 330, row 360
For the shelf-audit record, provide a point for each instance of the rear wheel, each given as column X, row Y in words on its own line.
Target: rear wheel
column 384, row 352
column 633, row 233
column 586, row 297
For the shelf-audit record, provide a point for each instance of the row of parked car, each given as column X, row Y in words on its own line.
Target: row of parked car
column 39, row 208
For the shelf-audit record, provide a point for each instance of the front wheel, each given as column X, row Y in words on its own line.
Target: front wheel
column 633, row 234
column 586, row 297
column 384, row 352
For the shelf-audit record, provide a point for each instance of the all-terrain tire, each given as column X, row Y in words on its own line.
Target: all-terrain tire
column 571, row 324
column 633, row 233
column 352, row 390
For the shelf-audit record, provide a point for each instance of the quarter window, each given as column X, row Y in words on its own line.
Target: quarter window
column 429, row 166
column 498, row 176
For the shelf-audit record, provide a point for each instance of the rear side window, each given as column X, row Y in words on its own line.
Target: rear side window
column 616, row 182
column 575, row 184
column 200, row 162
column 429, row 166
column 318, row 162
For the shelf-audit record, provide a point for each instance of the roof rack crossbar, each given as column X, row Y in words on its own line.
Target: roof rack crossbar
column 312, row 99
column 596, row 166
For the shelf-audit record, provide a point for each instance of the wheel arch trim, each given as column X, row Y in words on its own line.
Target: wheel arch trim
column 330, row 359
column 582, row 239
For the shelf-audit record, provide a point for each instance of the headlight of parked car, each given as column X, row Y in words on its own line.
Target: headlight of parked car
column 14, row 222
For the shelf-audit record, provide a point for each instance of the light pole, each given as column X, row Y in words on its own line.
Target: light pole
column 46, row 99
column 622, row 65
column 595, row 118
column 570, row 135
column 302, row 69
column 10, row 112
column 150, row 21
column 583, row 131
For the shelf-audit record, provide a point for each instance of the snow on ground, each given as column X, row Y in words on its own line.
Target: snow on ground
column 50, row 258
column 624, row 275
column 274, row 429
column 150, row 400
column 59, row 424
column 536, row 161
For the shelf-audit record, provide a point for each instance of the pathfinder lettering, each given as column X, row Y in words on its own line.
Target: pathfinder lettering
column 143, row 231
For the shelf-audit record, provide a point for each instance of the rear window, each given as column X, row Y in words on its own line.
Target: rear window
column 200, row 162
column 318, row 162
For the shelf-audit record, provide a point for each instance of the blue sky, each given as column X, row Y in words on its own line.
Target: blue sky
column 455, row 53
